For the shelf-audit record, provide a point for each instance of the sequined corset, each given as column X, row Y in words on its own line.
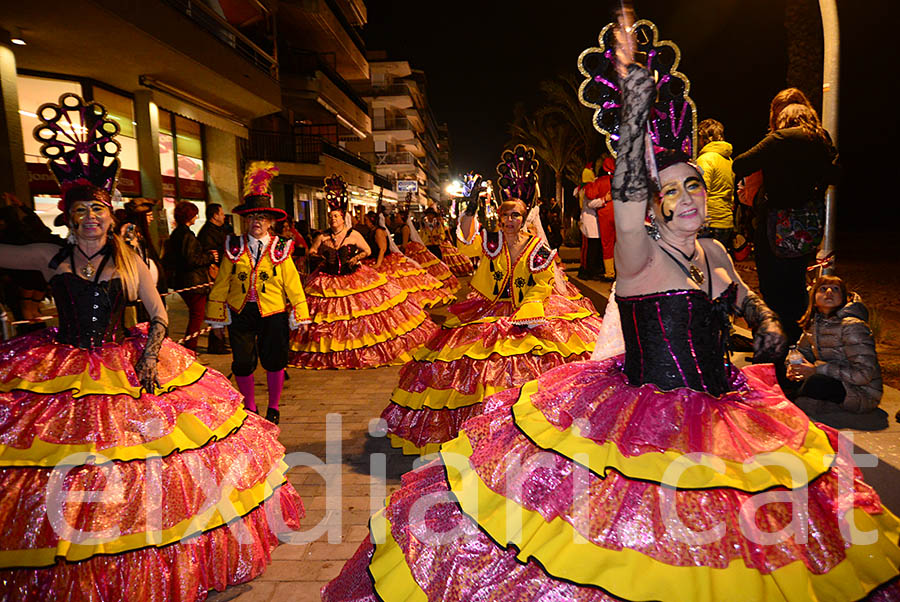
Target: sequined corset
column 90, row 314
column 337, row 262
column 677, row 339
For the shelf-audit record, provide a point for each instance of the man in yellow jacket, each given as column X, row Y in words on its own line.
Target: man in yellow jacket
column 715, row 161
column 258, row 294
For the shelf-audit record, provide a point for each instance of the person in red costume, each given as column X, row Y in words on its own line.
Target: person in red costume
column 597, row 193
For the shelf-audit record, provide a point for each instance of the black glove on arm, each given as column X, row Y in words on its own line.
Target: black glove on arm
column 145, row 368
column 472, row 199
column 631, row 181
column 769, row 342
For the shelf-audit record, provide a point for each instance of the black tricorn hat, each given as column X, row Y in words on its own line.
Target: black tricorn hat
column 259, row 203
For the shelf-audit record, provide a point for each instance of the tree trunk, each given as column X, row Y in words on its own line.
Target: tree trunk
column 805, row 48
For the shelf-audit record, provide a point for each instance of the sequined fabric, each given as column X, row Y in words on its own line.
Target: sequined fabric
column 458, row 263
column 359, row 320
column 437, row 268
column 461, row 365
column 198, row 467
column 423, row 288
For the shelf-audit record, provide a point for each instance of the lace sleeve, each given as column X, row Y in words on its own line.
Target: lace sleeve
column 631, row 181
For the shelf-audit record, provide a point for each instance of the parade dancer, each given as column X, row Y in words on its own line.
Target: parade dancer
column 662, row 474
column 511, row 328
column 360, row 318
column 128, row 471
column 414, row 247
column 258, row 293
column 386, row 257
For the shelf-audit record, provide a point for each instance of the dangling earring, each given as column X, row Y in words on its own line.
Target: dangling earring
column 653, row 229
column 71, row 237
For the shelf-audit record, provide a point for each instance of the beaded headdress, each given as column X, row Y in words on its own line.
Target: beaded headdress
column 673, row 117
column 336, row 193
column 517, row 175
column 78, row 141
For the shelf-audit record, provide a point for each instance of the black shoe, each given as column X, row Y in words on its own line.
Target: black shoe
column 273, row 415
column 216, row 346
column 605, row 278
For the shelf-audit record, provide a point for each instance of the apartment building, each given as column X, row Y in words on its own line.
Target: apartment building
column 404, row 131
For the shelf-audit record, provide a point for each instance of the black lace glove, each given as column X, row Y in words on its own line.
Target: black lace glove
column 631, row 182
column 769, row 342
column 145, row 368
column 472, row 200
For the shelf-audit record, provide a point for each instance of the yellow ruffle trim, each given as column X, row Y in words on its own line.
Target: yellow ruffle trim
column 111, row 382
column 527, row 345
column 443, row 399
column 346, row 292
column 324, row 318
column 390, row 574
column 453, row 321
column 189, row 433
column 564, row 553
column 814, row 459
column 411, row 449
column 237, row 504
column 329, row 345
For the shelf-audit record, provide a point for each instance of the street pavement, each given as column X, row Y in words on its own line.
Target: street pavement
column 328, row 414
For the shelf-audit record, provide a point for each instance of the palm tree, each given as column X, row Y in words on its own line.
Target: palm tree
column 552, row 138
column 562, row 100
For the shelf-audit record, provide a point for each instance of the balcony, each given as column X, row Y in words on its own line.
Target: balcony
column 299, row 148
column 313, row 88
column 210, row 21
column 324, row 27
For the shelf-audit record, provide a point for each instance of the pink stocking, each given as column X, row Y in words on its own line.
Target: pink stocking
column 275, row 380
column 245, row 386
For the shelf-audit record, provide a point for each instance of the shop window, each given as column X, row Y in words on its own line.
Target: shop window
column 121, row 110
column 33, row 92
column 190, row 149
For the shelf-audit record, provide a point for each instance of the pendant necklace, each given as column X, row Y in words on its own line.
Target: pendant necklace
column 88, row 269
column 694, row 273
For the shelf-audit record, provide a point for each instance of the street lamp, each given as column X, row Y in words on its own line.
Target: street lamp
column 830, row 79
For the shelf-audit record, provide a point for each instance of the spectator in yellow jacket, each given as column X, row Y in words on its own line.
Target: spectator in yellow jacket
column 715, row 161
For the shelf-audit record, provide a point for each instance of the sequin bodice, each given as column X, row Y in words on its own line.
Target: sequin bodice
column 677, row 339
column 337, row 261
column 90, row 313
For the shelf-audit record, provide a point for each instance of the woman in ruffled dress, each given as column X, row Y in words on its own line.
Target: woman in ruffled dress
column 386, row 258
column 513, row 326
column 360, row 318
column 187, row 490
column 640, row 477
column 437, row 240
column 414, row 248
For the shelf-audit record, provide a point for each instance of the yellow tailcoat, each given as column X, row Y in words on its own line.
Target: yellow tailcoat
column 275, row 279
column 527, row 283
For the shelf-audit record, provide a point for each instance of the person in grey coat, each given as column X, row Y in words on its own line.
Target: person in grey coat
column 839, row 377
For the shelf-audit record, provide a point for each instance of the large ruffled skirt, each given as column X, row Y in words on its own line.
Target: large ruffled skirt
column 437, row 268
column 359, row 320
column 112, row 493
column 423, row 288
column 580, row 487
column 477, row 353
column 458, row 263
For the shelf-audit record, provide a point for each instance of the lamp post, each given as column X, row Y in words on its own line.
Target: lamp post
column 830, row 103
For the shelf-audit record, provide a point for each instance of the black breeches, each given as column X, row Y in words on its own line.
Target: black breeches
column 258, row 339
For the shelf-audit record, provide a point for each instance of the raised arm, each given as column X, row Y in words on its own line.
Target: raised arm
column 314, row 249
column 35, row 256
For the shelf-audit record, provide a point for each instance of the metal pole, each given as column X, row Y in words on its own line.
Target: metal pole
column 830, row 105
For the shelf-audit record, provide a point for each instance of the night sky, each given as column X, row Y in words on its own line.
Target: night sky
column 483, row 57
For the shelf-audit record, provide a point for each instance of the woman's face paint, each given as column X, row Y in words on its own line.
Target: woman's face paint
column 91, row 219
column 682, row 198
column 511, row 221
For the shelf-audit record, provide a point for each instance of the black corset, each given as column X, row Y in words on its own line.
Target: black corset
column 677, row 339
column 90, row 314
column 373, row 245
column 337, row 262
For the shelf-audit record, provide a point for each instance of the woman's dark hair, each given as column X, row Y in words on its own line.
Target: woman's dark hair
column 811, row 309
column 788, row 96
column 372, row 216
column 185, row 211
column 801, row 116
column 668, row 157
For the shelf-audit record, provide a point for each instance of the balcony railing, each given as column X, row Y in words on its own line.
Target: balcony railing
column 209, row 20
column 396, row 158
column 395, row 123
column 299, row 148
column 307, row 62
